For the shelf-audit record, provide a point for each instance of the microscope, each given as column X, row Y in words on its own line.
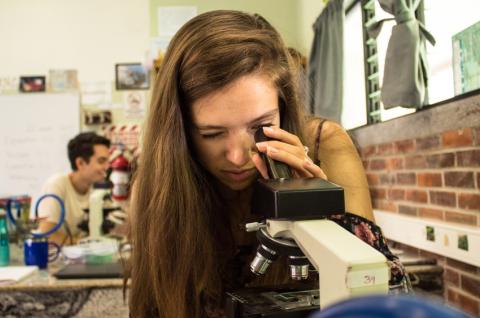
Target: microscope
column 294, row 213
column 108, row 198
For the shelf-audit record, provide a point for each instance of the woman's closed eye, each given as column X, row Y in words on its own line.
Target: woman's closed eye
column 218, row 134
column 211, row 135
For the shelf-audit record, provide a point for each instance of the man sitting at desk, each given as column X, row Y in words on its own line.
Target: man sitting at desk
column 88, row 155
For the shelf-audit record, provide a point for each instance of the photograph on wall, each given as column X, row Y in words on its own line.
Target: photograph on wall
column 131, row 76
column 32, row 84
column 97, row 117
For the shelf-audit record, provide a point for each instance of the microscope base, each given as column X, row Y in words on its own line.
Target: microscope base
column 255, row 303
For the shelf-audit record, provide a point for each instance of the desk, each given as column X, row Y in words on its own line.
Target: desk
column 42, row 295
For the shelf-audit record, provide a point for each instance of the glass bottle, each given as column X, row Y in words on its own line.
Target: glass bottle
column 4, row 242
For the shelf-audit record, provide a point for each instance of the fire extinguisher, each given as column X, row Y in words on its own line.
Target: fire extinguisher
column 120, row 178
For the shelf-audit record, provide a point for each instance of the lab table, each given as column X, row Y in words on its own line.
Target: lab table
column 43, row 295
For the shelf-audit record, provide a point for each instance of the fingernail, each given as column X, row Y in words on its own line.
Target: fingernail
column 267, row 129
column 261, row 146
column 271, row 149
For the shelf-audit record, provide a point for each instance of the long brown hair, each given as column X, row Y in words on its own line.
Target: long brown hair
column 176, row 222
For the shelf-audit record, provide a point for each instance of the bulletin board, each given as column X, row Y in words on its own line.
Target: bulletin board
column 34, row 131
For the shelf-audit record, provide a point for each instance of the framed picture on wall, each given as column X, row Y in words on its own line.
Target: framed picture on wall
column 131, row 76
column 32, row 84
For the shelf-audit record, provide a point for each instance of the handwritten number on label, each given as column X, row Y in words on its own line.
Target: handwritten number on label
column 369, row 280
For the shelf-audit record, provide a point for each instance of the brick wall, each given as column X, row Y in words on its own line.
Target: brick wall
column 435, row 177
column 427, row 165
column 462, row 281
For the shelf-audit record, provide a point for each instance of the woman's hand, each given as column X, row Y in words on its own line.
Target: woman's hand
column 286, row 148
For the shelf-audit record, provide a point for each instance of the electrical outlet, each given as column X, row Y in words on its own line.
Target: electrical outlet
column 460, row 242
column 463, row 242
column 430, row 230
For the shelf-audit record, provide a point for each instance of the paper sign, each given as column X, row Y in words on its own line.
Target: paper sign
column 134, row 104
column 9, row 84
column 96, row 93
column 108, row 106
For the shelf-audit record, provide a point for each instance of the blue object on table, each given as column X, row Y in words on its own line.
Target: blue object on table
column 62, row 214
column 36, row 252
column 391, row 306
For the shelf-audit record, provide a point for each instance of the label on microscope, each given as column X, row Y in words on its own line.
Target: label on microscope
column 367, row 277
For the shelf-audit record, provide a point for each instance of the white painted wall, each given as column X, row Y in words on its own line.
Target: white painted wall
column 308, row 12
column 92, row 35
column 88, row 35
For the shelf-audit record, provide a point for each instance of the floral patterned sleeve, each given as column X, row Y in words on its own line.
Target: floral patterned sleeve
column 371, row 234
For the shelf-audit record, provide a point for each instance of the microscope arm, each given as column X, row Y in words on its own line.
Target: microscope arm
column 347, row 266
column 95, row 217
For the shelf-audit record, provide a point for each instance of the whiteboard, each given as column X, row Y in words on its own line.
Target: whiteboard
column 34, row 132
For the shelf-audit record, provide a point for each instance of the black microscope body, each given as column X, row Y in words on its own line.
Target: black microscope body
column 285, row 199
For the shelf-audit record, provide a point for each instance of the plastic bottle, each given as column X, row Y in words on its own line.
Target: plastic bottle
column 4, row 241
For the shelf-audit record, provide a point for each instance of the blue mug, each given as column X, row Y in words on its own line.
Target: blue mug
column 36, row 252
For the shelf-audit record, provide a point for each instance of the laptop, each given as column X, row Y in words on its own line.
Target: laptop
column 82, row 271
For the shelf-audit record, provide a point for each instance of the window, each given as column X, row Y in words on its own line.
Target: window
column 443, row 19
column 382, row 43
column 354, row 110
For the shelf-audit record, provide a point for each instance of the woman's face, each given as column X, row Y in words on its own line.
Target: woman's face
column 224, row 123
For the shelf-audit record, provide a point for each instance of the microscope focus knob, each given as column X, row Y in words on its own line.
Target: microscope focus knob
column 254, row 226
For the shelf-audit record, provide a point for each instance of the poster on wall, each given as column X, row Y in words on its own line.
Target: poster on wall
column 134, row 102
column 170, row 19
column 466, row 59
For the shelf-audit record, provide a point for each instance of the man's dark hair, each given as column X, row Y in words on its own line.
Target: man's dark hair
column 82, row 146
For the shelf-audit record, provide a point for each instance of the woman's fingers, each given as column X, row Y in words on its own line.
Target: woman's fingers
column 315, row 170
column 295, row 150
column 282, row 135
column 260, row 164
column 302, row 174
column 303, row 166
column 287, row 148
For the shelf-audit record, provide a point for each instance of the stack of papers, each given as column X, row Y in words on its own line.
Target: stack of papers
column 13, row 274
